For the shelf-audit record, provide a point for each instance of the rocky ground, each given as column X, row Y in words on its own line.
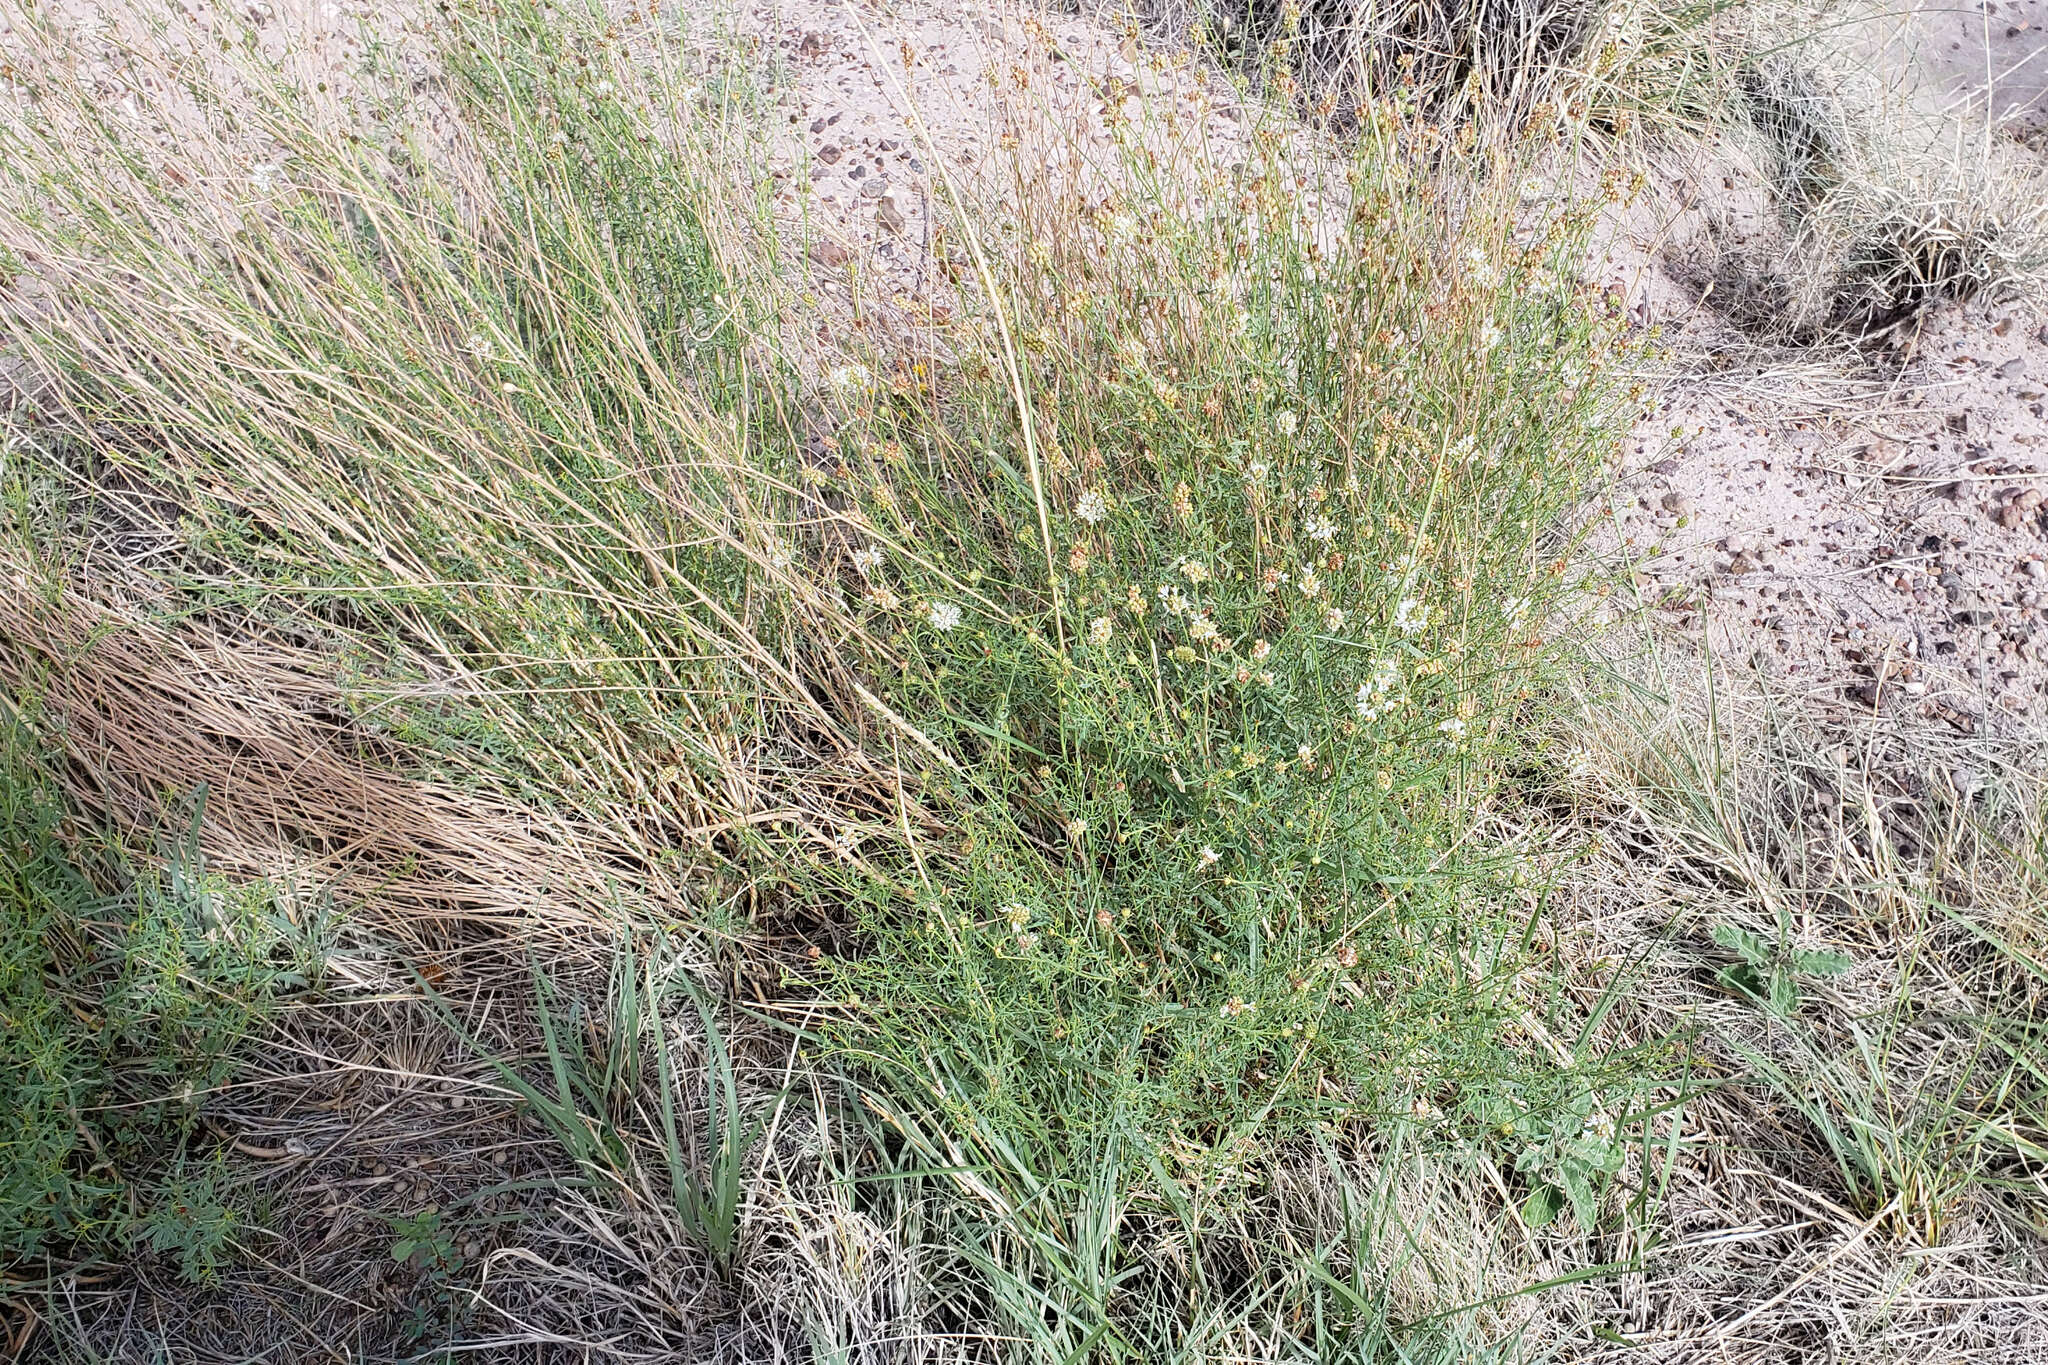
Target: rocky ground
column 1871, row 534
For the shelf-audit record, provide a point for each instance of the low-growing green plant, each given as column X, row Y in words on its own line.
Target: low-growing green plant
column 591, row 1102
column 125, row 991
column 1570, row 1157
column 424, row 1243
column 420, row 1240
column 1768, row 971
column 191, row 1216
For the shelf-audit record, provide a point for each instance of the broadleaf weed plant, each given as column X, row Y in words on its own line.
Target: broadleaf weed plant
column 128, row 990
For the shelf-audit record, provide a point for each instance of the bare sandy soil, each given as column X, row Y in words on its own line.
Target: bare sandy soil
column 1862, row 526
column 1869, row 533
column 1988, row 58
column 896, row 113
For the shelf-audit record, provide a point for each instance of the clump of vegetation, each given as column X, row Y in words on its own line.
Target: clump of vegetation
column 1206, row 616
column 1883, row 206
column 1045, row 773
column 1872, row 998
column 1876, row 231
column 1461, row 57
column 1110, row 694
column 126, row 988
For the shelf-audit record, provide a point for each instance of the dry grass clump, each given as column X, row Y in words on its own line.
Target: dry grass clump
column 295, row 790
column 387, row 471
column 290, row 537
column 1492, row 55
column 1879, row 206
column 1598, row 69
column 1855, row 941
